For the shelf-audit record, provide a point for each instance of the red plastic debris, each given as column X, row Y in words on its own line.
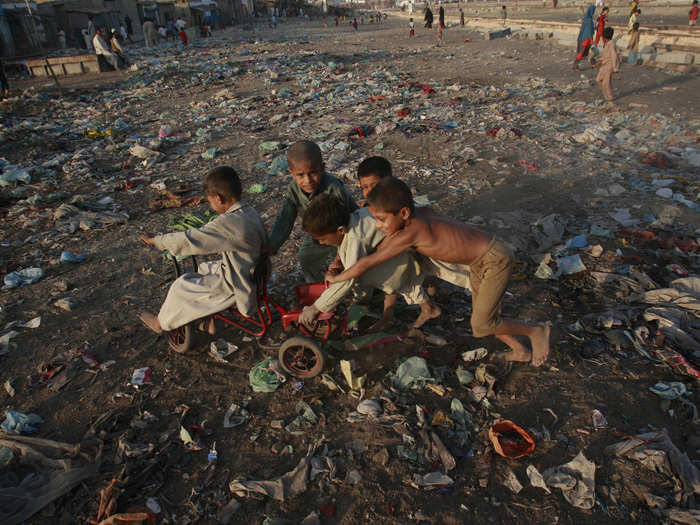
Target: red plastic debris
column 638, row 235
column 532, row 166
column 328, row 511
column 657, row 159
column 510, row 441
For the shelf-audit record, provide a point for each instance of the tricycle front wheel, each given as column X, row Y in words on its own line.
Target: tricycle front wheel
column 301, row 357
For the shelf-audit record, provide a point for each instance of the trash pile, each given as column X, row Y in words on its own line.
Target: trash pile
column 102, row 423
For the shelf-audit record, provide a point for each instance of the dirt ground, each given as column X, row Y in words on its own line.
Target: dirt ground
column 501, row 184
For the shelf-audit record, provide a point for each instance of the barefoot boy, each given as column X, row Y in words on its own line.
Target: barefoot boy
column 453, row 251
column 237, row 234
column 356, row 235
column 309, row 180
column 609, row 64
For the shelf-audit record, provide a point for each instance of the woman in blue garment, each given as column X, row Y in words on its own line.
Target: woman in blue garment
column 585, row 36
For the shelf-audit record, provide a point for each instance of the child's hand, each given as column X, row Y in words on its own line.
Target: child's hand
column 148, row 240
column 331, row 278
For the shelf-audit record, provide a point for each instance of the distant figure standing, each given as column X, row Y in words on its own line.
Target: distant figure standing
column 633, row 6
column 461, row 17
column 180, row 24
column 428, row 18
column 633, row 44
column 183, row 36
column 129, row 28
column 149, row 33
column 441, row 16
column 438, row 33
column 91, row 31
column 123, row 33
column 61, row 39
column 585, row 36
column 693, row 14
column 504, row 15
column 609, row 64
column 633, row 18
column 601, row 25
column 354, row 23
column 86, row 39
column 117, row 49
column 162, row 32
column 4, row 85
column 101, row 49
column 412, row 27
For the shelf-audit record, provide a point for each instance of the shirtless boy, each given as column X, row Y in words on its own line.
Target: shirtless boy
column 453, row 251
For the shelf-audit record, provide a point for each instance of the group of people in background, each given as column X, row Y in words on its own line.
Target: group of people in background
column 428, row 18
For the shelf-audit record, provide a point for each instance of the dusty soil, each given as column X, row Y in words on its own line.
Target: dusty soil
column 519, row 84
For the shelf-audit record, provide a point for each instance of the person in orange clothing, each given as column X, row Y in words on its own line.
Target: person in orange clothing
column 601, row 25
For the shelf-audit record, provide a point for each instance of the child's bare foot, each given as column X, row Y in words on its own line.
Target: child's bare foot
column 151, row 321
column 207, row 325
column 540, row 344
column 427, row 311
column 518, row 356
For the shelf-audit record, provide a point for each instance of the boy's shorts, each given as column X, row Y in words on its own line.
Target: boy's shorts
column 487, row 277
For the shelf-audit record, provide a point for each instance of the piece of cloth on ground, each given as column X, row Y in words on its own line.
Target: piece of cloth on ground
column 20, row 500
column 576, row 479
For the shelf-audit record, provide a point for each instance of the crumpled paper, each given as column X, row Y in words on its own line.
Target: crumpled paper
column 576, row 479
column 282, row 488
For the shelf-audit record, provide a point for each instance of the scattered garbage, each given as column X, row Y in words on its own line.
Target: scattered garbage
column 536, row 479
column 607, row 253
column 221, row 349
column 412, row 373
column 263, row 378
column 510, row 441
column 22, row 277
column 21, row 423
column 235, row 416
column 576, row 479
column 141, row 377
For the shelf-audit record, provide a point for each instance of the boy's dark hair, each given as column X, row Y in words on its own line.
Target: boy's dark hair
column 606, row 8
column 635, row 26
column 608, row 33
column 378, row 166
column 304, row 150
column 390, row 195
column 325, row 214
column 638, row 11
column 223, row 181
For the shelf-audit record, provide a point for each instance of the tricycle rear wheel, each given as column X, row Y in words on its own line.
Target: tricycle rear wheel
column 180, row 339
column 301, row 357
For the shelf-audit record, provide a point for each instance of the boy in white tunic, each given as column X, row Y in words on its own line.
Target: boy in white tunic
column 238, row 234
column 355, row 234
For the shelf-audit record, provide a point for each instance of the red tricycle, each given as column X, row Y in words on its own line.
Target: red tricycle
column 299, row 356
